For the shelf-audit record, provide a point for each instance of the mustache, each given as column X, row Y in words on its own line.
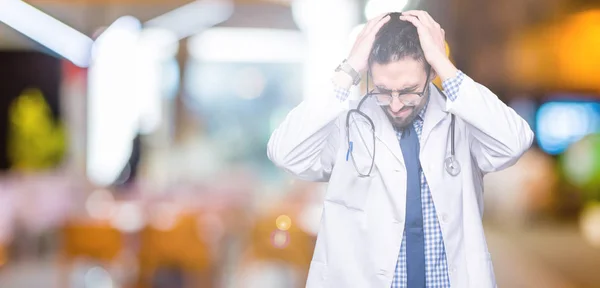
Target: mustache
column 407, row 108
column 403, row 108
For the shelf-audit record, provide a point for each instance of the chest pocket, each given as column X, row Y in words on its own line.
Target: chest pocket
column 354, row 174
column 446, row 190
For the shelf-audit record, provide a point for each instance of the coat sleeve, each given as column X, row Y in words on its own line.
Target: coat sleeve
column 306, row 143
column 498, row 135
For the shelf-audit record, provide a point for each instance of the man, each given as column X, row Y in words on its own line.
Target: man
column 411, row 217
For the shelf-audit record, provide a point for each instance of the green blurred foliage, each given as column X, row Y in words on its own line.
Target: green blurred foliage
column 36, row 141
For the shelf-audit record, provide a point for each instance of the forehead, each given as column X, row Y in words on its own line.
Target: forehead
column 399, row 74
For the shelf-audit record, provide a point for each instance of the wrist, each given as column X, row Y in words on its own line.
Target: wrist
column 444, row 67
column 346, row 68
column 342, row 80
column 354, row 64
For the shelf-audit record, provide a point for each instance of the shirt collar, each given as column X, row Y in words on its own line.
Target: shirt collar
column 422, row 112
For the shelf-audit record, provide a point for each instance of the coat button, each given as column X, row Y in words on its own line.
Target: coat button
column 451, row 270
column 445, row 218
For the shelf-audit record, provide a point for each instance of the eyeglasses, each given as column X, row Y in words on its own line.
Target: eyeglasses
column 407, row 99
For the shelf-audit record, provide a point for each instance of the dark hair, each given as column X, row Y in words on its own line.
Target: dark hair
column 396, row 40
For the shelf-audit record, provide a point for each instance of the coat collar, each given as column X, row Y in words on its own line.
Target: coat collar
column 433, row 114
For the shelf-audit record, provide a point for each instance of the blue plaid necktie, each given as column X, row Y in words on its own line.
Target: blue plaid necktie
column 415, row 240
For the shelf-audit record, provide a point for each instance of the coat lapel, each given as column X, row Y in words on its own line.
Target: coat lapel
column 384, row 132
column 436, row 112
column 388, row 158
column 435, row 147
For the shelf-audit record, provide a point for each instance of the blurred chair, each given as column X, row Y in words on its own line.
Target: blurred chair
column 179, row 248
column 291, row 248
column 99, row 241
column 280, row 247
column 96, row 241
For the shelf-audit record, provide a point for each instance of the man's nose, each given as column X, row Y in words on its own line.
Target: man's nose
column 396, row 105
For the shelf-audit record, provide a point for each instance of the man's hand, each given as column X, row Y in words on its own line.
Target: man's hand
column 359, row 56
column 432, row 38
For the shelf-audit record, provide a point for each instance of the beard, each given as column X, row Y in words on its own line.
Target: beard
column 400, row 123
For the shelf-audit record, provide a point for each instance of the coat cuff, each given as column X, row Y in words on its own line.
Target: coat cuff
column 341, row 93
column 452, row 85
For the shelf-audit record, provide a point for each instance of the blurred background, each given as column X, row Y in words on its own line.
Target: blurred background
column 133, row 136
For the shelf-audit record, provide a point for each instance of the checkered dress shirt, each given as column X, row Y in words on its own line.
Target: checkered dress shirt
column 436, row 265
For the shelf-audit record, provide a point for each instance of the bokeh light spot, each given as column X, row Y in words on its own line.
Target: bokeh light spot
column 283, row 222
column 280, row 239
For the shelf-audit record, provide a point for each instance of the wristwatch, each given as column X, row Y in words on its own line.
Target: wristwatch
column 346, row 68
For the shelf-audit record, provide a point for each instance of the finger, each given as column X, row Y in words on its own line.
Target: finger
column 362, row 32
column 376, row 23
column 429, row 19
column 426, row 19
column 373, row 30
column 423, row 16
column 379, row 24
column 415, row 21
column 371, row 23
column 367, row 27
column 414, row 13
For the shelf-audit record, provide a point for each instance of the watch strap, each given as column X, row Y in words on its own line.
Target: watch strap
column 346, row 68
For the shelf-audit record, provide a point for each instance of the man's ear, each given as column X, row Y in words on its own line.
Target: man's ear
column 433, row 75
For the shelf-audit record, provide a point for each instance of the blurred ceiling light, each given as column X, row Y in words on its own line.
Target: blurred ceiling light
column 46, row 30
column 376, row 7
column 194, row 17
column 113, row 114
column 159, row 43
column 322, row 16
column 125, row 28
column 251, row 45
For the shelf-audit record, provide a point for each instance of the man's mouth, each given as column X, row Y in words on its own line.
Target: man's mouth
column 403, row 112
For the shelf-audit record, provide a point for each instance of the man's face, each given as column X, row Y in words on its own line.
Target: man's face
column 403, row 76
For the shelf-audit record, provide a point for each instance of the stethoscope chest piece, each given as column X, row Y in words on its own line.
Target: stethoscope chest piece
column 452, row 165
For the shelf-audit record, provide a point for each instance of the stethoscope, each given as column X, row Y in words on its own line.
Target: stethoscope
column 451, row 164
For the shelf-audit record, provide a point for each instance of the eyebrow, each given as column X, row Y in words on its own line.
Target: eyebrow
column 404, row 90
